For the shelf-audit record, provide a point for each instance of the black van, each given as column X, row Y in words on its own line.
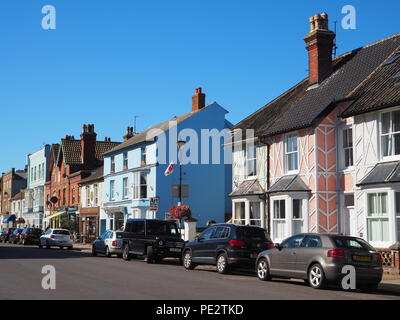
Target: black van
column 152, row 239
column 227, row 246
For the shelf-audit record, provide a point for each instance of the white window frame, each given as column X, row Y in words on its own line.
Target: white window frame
column 96, row 195
column 380, row 135
column 112, row 164
column 125, row 188
column 253, row 159
column 289, row 226
column 247, row 201
column 112, row 190
column 87, row 190
column 286, row 153
column 343, row 148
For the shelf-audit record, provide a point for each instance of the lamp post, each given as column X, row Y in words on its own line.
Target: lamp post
column 180, row 144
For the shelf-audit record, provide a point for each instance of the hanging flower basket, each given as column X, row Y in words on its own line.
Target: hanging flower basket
column 181, row 211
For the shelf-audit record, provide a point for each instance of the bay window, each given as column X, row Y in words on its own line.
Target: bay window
column 398, row 216
column 112, row 190
column 291, row 153
column 279, row 219
column 125, row 188
column 297, row 217
column 390, row 133
column 240, row 213
column 378, row 217
column 255, row 213
column 140, row 185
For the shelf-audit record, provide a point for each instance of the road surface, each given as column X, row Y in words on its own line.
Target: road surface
column 81, row 276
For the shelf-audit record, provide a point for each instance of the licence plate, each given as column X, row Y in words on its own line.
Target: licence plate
column 362, row 258
column 253, row 255
column 175, row 250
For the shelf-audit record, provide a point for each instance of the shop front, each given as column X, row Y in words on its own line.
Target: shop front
column 88, row 224
column 115, row 218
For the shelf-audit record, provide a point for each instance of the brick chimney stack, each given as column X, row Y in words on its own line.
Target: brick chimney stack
column 198, row 100
column 319, row 46
column 88, row 146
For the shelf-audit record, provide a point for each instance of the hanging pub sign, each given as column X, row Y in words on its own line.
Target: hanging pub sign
column 154, row 203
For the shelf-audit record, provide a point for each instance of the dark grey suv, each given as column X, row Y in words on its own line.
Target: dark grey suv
column 319, row 260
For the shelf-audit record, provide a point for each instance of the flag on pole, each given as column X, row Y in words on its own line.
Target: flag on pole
column 170, row 169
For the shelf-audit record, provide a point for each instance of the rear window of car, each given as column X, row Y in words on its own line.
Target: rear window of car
column 34, row 230
column 351, row 243
column 63, row 232
column 252, row 234
column 119, row 235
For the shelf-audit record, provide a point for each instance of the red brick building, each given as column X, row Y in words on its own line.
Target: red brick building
column 70, row 162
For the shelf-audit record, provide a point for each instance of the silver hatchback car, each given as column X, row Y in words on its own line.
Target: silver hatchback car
column 319, row 260
column 56, row 238
column 109, row 243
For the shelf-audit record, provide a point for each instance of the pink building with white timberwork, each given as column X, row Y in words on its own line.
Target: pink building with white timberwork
column 321, row 155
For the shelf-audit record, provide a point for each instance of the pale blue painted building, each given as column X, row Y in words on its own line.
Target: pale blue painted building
column 134, row 171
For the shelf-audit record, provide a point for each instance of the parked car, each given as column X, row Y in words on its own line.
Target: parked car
column 56, row 238
column 5, row 234
column 14, row 236
column 109, row 243
column 227, row 246
column 30, row 236
column 153, row 239
column 319, row 259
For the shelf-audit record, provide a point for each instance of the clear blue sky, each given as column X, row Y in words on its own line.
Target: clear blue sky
column 110, row 60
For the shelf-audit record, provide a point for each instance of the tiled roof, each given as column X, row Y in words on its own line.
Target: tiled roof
column 380, row 90
column 388, row 172
column 247, row 188
column 291, row 183
column 95, row 175
column 302, row 107
column 72, row 150
column 150, row 133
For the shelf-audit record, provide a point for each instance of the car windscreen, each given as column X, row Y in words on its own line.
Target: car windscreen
column 159, row 228
column 252, row 234
column 17, row 231
column 351, row 243
column 63, row 232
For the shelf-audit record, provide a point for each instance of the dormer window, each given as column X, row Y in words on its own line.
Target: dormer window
column 390, row 134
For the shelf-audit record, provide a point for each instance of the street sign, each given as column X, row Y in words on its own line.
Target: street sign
column 154, row 203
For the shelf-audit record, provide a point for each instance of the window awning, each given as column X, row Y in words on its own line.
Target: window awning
column 7, row 219
column 292, row 183
column 48, row 218
column 248, row 188
column 382, row 173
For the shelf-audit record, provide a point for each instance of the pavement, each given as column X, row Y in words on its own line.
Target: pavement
column 81, row 276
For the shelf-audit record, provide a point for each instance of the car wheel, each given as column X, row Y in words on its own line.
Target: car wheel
column 94, row 253
column 263, row 270
column 316, row 277
column 150, row 258
column 222, row 264
column 107, row 253
column 125, row 253
column 370, row 287
column 187, row 260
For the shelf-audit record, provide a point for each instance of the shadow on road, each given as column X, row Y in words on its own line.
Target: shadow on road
column 32, row 252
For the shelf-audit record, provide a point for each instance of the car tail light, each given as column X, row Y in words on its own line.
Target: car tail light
column 379, row 257
column 336, row 253
column 27, row 235
column 52, row 236
column 114, row 243
column 271, row 245
column 237, row 243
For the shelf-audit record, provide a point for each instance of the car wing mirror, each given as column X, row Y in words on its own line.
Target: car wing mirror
column 278, row 246
column 200, row 239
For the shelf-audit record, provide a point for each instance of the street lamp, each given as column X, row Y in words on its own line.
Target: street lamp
column 181, row 144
